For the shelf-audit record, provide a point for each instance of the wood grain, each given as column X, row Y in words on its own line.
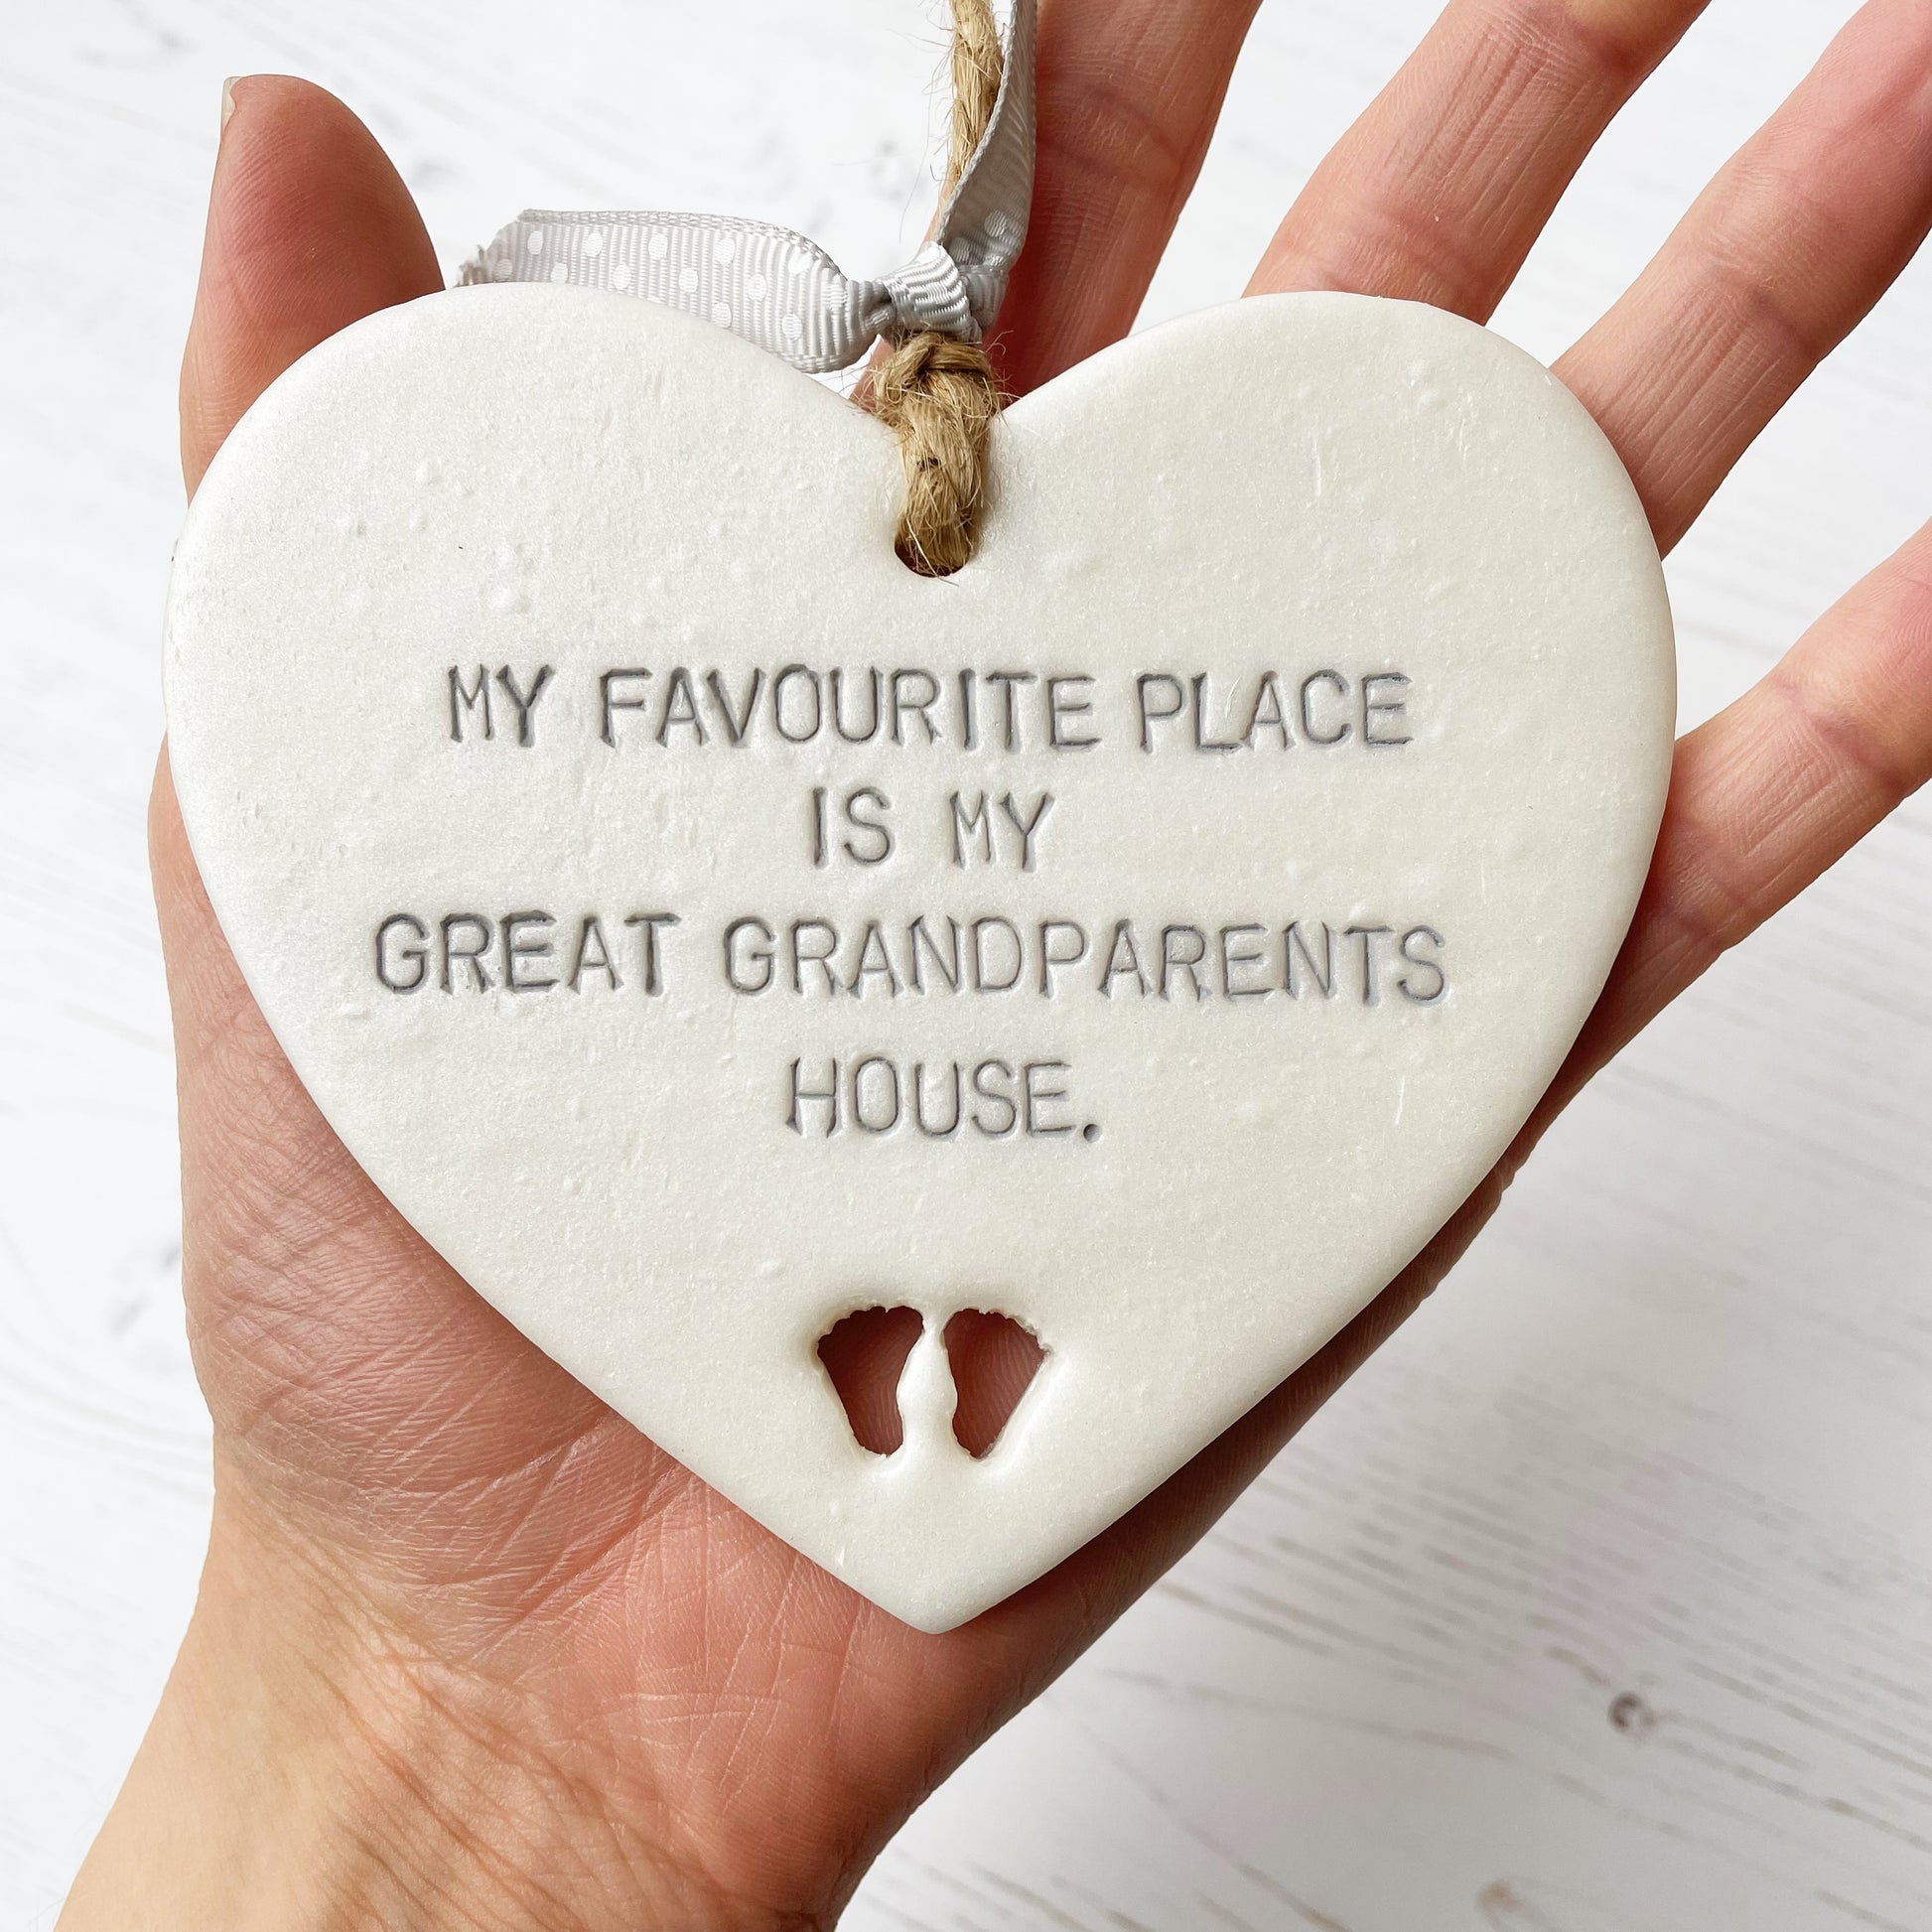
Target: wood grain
column 1600, row 1602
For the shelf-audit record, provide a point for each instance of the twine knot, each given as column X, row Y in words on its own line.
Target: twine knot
column 937, row 395
column 935, row 388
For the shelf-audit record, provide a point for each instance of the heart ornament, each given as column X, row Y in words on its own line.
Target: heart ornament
column 701, row 927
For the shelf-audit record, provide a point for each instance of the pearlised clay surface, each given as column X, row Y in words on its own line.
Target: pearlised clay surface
column 1374, row 549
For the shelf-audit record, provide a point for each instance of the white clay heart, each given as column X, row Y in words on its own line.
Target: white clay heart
column 1378, row 549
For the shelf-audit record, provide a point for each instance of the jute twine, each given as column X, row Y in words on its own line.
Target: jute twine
column 935, row 392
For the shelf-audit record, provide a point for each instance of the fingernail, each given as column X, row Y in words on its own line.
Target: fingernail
column 227, row 99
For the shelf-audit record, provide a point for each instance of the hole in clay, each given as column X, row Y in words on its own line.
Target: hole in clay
column 994, row 1360
column 865, row 1355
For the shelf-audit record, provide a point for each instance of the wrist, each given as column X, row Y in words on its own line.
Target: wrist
column 310, row 1769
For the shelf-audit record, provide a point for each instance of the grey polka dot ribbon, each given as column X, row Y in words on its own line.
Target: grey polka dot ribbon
column 784, row 293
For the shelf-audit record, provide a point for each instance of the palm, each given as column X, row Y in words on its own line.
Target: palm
column 504, row 1542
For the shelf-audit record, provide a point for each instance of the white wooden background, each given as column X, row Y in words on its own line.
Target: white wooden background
column 1600, row 1602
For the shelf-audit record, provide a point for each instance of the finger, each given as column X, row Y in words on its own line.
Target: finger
column 1437, row 194
column 1129, row 91
column 309, row 228
column 1777, row 262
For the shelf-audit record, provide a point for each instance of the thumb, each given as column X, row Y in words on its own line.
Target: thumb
column 309, row 228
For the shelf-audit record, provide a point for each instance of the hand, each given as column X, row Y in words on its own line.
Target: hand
column 472, row 1652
